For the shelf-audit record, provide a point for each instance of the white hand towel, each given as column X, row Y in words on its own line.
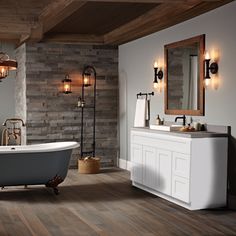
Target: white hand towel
column 148, row 110
column 140, row 113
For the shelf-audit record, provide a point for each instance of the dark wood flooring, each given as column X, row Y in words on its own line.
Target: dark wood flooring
column 103, row 204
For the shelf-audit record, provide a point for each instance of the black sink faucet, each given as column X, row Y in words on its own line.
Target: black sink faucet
column 181, row 117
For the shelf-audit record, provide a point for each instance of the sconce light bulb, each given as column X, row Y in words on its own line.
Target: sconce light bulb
column 207, row 83
column 155, row 64
column 85, row 80
column 215, row 55
column 207, row 56
column 155, row 85
column 67, row 86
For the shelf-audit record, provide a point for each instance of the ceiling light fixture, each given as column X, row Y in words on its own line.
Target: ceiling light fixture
column 6, row 64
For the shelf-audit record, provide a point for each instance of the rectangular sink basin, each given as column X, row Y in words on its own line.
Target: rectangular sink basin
column 166, row 127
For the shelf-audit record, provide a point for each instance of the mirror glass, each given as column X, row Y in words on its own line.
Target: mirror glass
column 184, row 77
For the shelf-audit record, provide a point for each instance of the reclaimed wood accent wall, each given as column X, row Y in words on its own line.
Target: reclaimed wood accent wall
column 53, row 115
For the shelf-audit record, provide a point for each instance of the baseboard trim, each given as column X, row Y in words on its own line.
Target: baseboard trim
column 124, row 164
column 129, row 165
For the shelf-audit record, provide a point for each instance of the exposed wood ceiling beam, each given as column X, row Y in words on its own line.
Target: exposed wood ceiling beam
column 57, row 12
column 136, row 1
column 11, row 32
column 156, row 16
column 14, row 28
column 145, row 1
column 158, row 19
column 74, row 38
column 34, row 22
column 12, row 38
column 17, row 18
column 52, row 15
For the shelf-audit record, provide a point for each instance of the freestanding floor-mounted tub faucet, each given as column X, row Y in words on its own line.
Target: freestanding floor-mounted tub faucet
column 11, row 135
column 13, row 120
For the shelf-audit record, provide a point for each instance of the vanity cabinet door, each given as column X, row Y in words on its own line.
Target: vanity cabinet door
column 149, row 167
column 180, row 188
column 180, row 176
column 181, row 165
column 137, row 163
column 164, row 171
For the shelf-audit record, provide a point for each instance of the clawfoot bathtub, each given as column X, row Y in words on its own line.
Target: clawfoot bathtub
column 35, row 164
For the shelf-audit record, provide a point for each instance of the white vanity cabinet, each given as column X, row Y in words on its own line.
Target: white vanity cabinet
column 149, row 169
column 137, row 163
column 191, row 172
column 181, row 176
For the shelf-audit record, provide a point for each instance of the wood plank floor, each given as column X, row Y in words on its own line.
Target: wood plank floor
column 103, row 204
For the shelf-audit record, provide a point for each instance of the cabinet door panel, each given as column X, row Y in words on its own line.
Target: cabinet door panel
column 137, row 163
column 164, row 171
column 149, row 165
column 181, row 165
column 180, row 188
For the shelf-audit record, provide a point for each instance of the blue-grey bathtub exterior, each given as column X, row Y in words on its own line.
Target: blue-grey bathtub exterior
column 33, row 168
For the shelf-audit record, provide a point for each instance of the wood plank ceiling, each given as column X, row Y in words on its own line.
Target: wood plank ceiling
column 94, row 21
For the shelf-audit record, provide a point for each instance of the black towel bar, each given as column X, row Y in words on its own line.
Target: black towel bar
column 145, row 94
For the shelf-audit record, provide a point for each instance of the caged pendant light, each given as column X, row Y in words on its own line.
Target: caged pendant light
column 6, row 64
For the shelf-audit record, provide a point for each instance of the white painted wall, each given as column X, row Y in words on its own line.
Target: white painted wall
column 136, row 70
column 7, row 89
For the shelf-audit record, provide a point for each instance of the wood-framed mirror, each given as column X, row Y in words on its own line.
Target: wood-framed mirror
column 184, row 76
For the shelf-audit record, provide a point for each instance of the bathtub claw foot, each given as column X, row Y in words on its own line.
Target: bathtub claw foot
column 56, row 191
column 53, row 183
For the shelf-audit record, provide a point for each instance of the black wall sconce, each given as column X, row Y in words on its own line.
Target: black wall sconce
column 157, row 75
column 209, row 68
column 67, row 85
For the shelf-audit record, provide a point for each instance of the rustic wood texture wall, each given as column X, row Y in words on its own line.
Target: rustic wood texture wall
column 53, row 115
column 20, row 88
